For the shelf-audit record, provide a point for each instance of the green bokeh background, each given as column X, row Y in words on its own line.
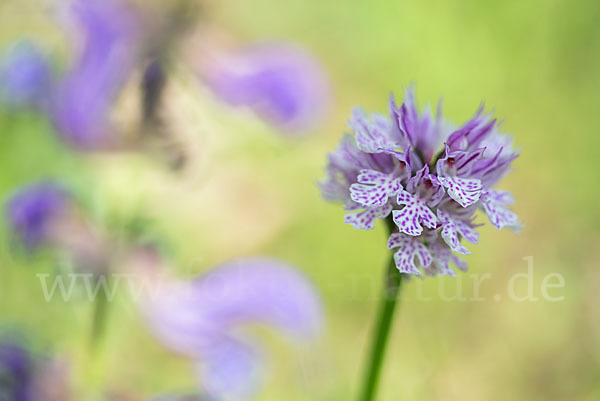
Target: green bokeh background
column 250, row 191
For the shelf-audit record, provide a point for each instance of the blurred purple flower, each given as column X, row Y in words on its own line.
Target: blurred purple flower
column 16, row 371
column 45, row 213
column 24, row 377
column 390, row 170
column 284, row 85
column 31, row 210
column 25, row 75
column 201, row 318
column 84, row 98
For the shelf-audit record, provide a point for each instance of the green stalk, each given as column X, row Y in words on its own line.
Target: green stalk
column 99, row 317
column 94, row 371
column 393, row 281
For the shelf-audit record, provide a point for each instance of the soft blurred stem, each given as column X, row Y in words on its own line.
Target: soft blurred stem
column 94, row 372
column 391, row 288
column 100, row 313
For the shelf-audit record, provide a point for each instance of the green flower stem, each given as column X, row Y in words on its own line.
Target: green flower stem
column 95, row 358
column 393, row 281
column 100, row 314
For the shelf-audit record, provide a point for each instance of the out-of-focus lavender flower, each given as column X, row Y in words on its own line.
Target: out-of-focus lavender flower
column 25, row 378
column 85, row 96
column 45, row 213
column 16, row 372
column 25, row 75
column 390, row 170
column 31, row 210
column 201, row 318
column 284, row 85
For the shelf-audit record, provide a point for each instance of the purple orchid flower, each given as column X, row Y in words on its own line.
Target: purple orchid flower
column 284, row 85
column 390, row 170
column 31, row 210
column 84, row 98
column 201, row 319
column 25, row 76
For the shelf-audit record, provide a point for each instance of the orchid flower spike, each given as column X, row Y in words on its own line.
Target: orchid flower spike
column 427, row 176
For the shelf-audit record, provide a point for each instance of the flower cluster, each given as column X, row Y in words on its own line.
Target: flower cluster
column 425, row 174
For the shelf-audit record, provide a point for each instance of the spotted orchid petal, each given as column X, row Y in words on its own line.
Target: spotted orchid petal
column 466, row 191
column 415, row 213
column 494, row 204
column 410, row 247
column 452, row 227
column 374, row 188
column 343, row 168
column 450, row 236
column 365, row 220
column 441, row 258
